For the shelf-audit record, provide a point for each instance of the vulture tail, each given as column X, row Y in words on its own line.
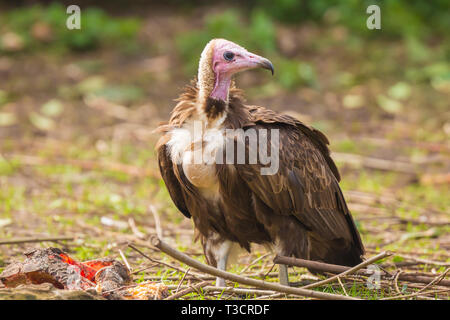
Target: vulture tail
column 345, row 251
column 334, row 252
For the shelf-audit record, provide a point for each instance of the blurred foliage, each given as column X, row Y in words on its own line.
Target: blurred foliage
column 419, row 27
column 98, row 87
column 258, row 35
column 34, row 27
column 415, row 18
column 229, row 25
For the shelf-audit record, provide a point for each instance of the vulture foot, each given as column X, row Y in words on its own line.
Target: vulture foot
column 283, row 275
column 220, row 282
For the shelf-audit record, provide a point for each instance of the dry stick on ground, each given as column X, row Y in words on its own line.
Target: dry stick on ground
column 86, row 165
column 229, row 290
column 424, row 261
column 375, row 163
column 373, row 259
column 155, row 241
column 115, row 235
column 174, row 278
column 396, row 281
column 342, row 286
column 437, row 280
column 416, row 253
column 160, row 262
column 315, row 265
column 337, row 269
column 41, row 239
column 134, row 229
column 158, row 228
column 182, row 279
column 386, row 284
column 145, row 268
column 429, row 146
column 250, row 291
column 370, row 204
column 126, row 261
column 207, row 277
column 253, row 262
column 188, row 290
column 270, row 296
column 419, row 222
column 434, row 282
column 268, row 272
column 377, row 213
column 416, row 294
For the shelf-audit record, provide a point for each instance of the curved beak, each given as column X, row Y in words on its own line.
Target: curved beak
column 266, row 64
column 249, row 60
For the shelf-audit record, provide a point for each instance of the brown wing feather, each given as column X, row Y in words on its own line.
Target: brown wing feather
column 317, row 138
column 171, row 180
column 306, row 185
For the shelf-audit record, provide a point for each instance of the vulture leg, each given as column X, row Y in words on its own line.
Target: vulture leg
column 283, row 274
column 291, row 240
column 222, row 258
column 218, row 253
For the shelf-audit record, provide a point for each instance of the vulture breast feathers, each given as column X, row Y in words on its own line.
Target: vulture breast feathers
column 300, row 208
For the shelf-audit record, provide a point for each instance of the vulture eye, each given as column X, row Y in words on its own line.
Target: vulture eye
column 228, row 55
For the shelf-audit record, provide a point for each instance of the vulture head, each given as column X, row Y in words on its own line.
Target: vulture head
column 218, row 62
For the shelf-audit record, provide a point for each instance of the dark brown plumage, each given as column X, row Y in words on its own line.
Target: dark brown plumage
column 301, row 207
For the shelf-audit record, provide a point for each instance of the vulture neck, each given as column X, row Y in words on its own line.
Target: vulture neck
column 213, row 94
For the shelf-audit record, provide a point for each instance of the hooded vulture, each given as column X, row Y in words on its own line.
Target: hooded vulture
column 298, row 210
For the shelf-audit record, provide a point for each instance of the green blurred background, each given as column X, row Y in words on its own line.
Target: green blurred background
column 77, row 107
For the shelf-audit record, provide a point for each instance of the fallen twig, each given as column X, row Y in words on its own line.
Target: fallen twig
column 158, row 261
column 380, row 256
column 396, row 281
column 146, row 268
column 375, row 163
column 155, row 241
column 126, row 261
column 86, row 165
column 342, row 285
column 253, row 262
column 270, row 296
column 424, row 261
column 134, row 229
column 337, row 269
column 435, row 281
column 246, row 291
column 27, row 240
column 416, row 294
column 158, row 228
column 188, row 290
column 182, row 279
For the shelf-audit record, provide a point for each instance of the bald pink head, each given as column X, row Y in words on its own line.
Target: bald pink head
column 230, row 58
column 227, row 58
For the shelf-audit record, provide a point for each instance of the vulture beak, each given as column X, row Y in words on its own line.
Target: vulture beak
column 266, row 64
column 252, row 61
